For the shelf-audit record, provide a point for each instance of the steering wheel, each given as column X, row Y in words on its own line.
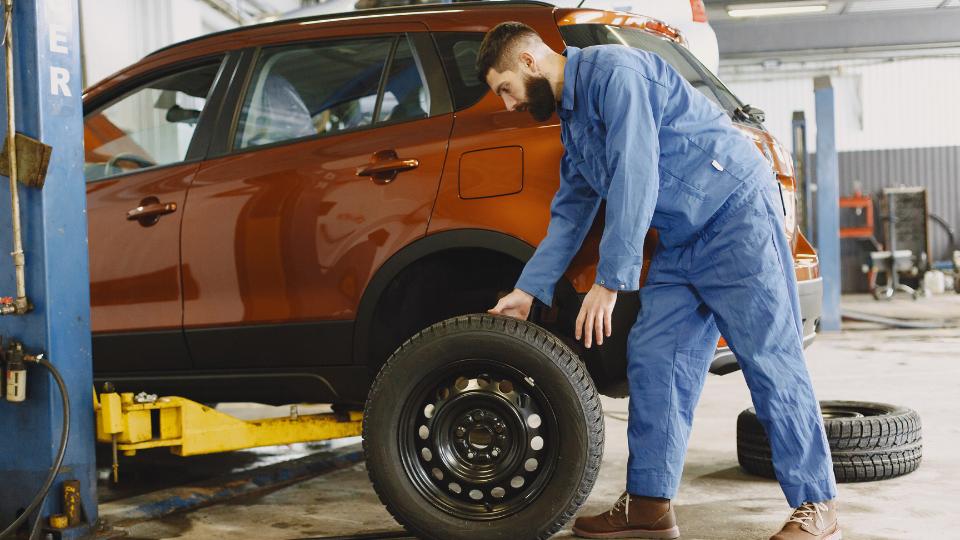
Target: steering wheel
column 142, row 162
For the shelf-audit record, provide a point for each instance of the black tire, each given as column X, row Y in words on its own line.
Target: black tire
column 456, row 392
column 868, row 441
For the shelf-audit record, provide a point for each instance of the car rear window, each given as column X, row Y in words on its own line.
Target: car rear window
column 585, row 35
column 458, row 52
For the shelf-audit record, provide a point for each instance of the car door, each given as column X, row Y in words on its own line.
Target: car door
column 141, row 156
column 333, row 164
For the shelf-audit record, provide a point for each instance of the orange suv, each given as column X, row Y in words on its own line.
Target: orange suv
column 277, row 210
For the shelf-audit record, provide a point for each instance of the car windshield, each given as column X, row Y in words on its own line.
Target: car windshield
column 585, row 35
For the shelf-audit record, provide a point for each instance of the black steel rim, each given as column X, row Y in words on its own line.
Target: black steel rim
column 478, row 439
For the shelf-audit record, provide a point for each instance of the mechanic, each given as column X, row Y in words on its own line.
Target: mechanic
column 640, row 137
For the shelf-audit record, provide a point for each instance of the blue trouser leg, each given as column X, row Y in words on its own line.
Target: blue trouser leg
column 669, row 349
column 737, row 276
column 749, row 284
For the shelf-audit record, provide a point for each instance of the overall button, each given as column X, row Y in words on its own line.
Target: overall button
column 717, row 166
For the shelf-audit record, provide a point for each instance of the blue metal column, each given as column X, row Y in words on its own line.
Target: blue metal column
column 828, row 204
column 49, row 108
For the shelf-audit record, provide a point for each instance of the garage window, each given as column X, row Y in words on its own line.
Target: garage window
column 147, row 127
column 317, row 89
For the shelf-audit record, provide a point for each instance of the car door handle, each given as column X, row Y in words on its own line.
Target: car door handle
column 385, row 166
column 150, row 210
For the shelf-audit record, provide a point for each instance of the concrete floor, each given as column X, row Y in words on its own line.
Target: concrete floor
column 916, row 368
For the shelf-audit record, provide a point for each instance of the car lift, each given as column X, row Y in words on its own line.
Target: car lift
column 48, row 466
column 188, row 428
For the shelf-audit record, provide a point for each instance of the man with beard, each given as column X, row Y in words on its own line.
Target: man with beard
column 638, row 136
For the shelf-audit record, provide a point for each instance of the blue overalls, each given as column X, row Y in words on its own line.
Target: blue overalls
column 637, row 135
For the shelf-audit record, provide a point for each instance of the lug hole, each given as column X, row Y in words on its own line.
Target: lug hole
column 536, row 443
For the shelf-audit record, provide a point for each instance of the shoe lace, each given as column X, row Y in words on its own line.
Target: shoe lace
column 622, row 503
column 809, row 513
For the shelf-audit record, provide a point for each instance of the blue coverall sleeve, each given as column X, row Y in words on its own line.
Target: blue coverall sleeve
column 571, row 215
column 629, row 111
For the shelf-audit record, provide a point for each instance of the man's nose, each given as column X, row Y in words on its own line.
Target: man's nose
column 510, row 103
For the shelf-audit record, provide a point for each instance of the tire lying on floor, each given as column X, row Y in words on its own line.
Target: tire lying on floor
column 868, row 441
column 483, row 427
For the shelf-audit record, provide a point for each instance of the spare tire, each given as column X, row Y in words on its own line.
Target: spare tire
column 868, row 441
column 483, row 427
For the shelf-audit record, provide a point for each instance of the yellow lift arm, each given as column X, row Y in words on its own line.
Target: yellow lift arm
column 189, row 428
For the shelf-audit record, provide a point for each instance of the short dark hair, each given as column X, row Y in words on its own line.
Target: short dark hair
column 500, row 40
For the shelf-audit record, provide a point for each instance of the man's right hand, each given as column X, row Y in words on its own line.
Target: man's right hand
column 516, row 304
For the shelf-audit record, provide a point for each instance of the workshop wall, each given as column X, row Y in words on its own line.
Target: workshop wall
column 896, row 118
column 881, row 103
column 937, row 169
column 117, row 33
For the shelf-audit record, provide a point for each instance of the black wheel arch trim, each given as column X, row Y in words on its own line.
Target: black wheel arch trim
column 418, row 249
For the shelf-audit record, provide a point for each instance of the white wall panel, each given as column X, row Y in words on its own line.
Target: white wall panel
column 903, row 103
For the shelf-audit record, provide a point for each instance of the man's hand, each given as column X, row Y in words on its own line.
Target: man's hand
column 596, row 315
column 516, row 304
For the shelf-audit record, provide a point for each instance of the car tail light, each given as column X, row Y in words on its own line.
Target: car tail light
column 662, row 28
column 699, row 11
column 789, row 197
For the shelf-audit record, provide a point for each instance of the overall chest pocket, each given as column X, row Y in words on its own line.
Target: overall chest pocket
column 591, row 148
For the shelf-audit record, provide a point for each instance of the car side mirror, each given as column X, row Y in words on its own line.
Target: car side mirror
column 179, row 115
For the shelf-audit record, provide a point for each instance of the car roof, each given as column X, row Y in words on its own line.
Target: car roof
column 362, row 13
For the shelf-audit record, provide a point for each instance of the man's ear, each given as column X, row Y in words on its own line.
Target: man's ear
column 528, row 63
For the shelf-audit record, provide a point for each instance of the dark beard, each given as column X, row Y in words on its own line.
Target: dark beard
column 540, row 99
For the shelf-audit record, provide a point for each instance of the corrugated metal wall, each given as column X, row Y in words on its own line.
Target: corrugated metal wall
column 937, row 169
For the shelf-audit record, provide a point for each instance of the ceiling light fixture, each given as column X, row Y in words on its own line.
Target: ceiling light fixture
column 775, row 9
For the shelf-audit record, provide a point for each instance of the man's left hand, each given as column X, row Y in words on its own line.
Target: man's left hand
column 596, row 315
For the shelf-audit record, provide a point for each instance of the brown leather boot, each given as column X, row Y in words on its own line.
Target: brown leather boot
column 632, row 517
column 812, row 521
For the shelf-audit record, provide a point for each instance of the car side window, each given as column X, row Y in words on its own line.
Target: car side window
column 458, row 52
column 405, row 95
column 150, row 126
column 317, row 89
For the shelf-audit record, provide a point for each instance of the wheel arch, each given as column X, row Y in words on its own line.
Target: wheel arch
column 445, row 242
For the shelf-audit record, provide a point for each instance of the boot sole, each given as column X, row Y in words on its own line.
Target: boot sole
column 663, row 534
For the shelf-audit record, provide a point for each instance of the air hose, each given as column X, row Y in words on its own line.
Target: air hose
column 61, row 452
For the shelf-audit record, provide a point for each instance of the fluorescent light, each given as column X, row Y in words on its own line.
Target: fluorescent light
column 770, row 10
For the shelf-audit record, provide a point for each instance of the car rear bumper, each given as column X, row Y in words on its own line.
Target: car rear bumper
column 811, row 306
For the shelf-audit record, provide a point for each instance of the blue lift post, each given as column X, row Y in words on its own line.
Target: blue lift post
column 828, row 204
column 49, row 108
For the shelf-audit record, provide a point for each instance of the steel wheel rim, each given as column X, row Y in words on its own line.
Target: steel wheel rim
column 478, row 439
column 850, row 411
